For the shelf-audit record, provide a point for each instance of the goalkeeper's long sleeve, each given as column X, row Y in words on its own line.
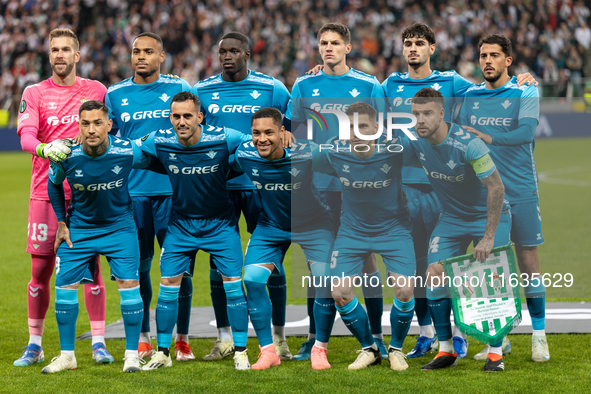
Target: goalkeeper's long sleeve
column 57, row 198
column 29, row 141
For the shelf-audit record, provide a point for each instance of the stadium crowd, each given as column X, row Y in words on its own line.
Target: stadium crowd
column 551, row 38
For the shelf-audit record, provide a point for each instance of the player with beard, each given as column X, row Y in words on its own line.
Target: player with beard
column 129, row 103
column 48, row 112
column 511, row 142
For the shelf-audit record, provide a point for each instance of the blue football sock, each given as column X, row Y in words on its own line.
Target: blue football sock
column 218, row 299
column 422, row 311
column 356, row 320
column 132, row 311
column 66, row 314
column 185, row 296
column 374, row 302
column 237, row 311
column 325, row 312
column 146, row 294
column 535, row 294
column 259, row 304
column 400, row 319
column 166, row 314
column 278, row 293
column 311, row 294
column 441, row 310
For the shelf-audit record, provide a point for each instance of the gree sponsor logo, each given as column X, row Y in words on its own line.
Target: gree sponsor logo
column 159, row 113
column 443, row 177
column 489, row 121
column 99, row 186
column 54, row 120
column 278, row 186
column 241, row 109
column 194, row 170
column 365, row 184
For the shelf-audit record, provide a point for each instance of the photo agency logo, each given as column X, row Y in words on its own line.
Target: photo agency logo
column 348, row 127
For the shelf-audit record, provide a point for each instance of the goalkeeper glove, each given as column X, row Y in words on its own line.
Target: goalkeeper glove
column 55, row 151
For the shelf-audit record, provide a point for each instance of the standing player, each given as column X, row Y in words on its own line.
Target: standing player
column 49, row 111
column 471, row 192
column 138, row 106
column 100, row 222
column 197, row 162
column 511, row 139
column 374, row 220
column 228, row 100
column 336, row 84
column 291, row 212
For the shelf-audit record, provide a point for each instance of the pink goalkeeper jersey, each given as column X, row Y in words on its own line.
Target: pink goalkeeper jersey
column 53, row 110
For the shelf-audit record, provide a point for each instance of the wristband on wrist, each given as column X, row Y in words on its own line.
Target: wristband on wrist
column 39, row 151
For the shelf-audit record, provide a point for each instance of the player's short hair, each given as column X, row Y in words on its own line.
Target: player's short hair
column 362, row 109
column 151, row 35
column 181, row 97
column 338, row 28
column 498, row 39
column 236, row 36
column 268, row 112
column 419, row 30
column 55, row 33
column 92, row 105
column 428, row 95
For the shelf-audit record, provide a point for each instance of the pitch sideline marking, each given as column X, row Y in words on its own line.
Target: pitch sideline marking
column 546, row 176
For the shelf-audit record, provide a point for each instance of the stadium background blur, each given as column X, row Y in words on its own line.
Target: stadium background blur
column 551, row 38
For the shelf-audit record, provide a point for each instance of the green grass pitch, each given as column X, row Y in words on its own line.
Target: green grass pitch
column 564, row 206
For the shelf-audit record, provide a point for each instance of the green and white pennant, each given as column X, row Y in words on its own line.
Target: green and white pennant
column 485, row 305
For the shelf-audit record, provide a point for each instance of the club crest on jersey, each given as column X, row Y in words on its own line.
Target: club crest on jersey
column 255, row 172
column 124, row 102
column 23, row 106
column 83, row 100
column 78, row 173
column 215, row 96
column 316, row 92
column 475, row 105
column 506, row 104
column 451, row 164
column 164, row 97
column 117, row 170
column 51, row 105
column 400, row 88
column 354, row 92
column 255, row 95
column 294, row 171
column 386, row 168
column 172, row 156
column 346, row 168
column 211, row 154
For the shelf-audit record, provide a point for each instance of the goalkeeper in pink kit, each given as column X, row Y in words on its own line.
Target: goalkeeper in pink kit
column 49, row 112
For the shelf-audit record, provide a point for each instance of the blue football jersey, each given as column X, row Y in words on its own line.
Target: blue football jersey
column 198, row 173
column 371, row 187
column 137, row 110
column 498, row 112
column 288, row 195
column 448, row 168
column 99, row 185
column 400, row 89
column 313, row 95
column 231, row 104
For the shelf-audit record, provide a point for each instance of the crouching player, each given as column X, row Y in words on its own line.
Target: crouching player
column 471, row 192
column 196, row 158
column 291, row 213
column 99, row 222
column 374, row 220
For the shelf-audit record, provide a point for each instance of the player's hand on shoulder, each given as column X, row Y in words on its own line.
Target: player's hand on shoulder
column 484, row 137
column 172, row 76
column 56, row 151
column 315, row 70
column 288, row 139
column 526, row 78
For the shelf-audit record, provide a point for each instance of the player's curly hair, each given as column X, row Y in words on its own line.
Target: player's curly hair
column 362, row 109
column 92, row 105
column 338, row 28
column 268, row 112
column 419, row 30
column 55, row 33
column 428, row 95
column 181, row 97
column 498, row 39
